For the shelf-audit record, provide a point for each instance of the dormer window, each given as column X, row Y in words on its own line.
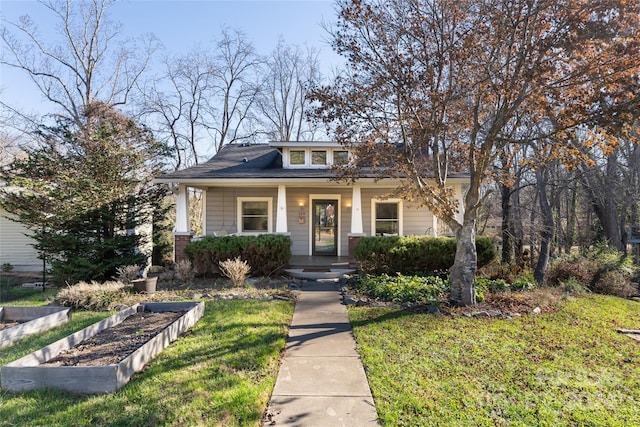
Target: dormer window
column 318, row 157
column 297, row 157
column 312, row 155
column 340, row 157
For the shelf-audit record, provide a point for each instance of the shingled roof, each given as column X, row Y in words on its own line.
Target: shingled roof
column 244, row 161
column 251, row 161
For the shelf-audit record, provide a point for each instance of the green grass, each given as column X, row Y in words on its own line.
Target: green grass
column 221, row 372
column 567, row 368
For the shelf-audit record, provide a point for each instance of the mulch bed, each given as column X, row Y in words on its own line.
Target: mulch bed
column 117, row 342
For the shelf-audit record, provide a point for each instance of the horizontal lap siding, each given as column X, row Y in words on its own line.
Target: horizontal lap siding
column 415, row 221
column 221, row 211
column 222, row 207
column 15, row 247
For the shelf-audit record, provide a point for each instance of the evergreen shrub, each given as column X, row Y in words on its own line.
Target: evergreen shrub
column 265, row 253
column 411, row 255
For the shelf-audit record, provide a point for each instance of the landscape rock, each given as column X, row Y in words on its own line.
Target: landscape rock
column 537, row 310
column 349, row 300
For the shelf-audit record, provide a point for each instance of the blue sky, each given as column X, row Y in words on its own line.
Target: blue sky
column 181, row 24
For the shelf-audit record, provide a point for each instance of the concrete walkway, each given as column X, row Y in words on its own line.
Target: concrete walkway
column 321, row 381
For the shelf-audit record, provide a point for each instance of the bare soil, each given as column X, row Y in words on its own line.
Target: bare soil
column 116, row 343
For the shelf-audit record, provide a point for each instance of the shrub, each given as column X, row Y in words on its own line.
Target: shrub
column 91, row 296
column 126, row 273
column 601, row 270
column 401, row 288
column 265, row 253
column 7, row 267
column 184, row 271
column 524, row 282
column 414, row 254
column 236, row 270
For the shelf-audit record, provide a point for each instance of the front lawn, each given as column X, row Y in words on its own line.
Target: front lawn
column 565, row 368
column 221, row 372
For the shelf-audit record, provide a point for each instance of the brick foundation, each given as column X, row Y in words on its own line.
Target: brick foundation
column 179, row 243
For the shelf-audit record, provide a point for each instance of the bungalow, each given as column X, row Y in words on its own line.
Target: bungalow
column 289, row 187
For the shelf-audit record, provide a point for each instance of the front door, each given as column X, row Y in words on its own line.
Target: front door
column 325, row 227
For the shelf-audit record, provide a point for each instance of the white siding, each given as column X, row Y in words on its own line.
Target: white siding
column 15, row 247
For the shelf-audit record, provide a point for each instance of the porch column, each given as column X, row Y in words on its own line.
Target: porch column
column 356, row 211
column 182, row 233
column 281, row 211
column 182, row 210
column 357, row 231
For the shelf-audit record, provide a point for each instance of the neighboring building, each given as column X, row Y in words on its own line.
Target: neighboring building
column 287, row 187
column 16, row 247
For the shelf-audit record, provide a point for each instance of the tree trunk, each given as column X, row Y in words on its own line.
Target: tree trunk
column 548, row 226
column 507, row 235
column 463, row 271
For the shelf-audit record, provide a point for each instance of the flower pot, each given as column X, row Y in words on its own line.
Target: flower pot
column 147, row 285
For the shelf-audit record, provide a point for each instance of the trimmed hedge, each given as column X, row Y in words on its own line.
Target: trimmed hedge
column 265, row 253
column 411, row 255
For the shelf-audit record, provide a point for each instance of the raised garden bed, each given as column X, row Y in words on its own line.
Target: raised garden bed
column 18, row 322
column 77, row 364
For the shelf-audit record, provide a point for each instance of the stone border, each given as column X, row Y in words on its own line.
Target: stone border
column 28, row 374
column 36, row 319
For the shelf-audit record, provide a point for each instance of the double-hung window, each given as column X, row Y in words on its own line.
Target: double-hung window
column 387, row 218
column 254, row 214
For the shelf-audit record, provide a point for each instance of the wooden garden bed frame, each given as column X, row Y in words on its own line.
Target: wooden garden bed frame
column 28, row 374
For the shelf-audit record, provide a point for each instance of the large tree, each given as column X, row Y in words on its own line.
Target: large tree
column 90, row 61
column 85, row 190
column 283, row 102
column 433, row 86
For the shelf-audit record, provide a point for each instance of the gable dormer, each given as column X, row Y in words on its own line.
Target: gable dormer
column 311, row 154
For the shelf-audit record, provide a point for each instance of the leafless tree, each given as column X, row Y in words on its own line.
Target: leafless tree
column 89, row 62
column 291, row 72
column 234, row 89
column 173, row 104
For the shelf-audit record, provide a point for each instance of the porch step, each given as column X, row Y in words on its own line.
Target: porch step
column 319, row 273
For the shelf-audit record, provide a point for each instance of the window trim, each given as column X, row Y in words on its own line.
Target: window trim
column 240, row 215
column 374, row 202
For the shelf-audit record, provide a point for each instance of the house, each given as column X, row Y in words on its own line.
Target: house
column 288, row 187
column 16, row 247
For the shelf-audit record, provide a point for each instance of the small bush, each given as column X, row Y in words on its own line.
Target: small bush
column 401, row 288
column 184, row 271
column 126, row 273
column 7, row 267
column 92, row 296
column 236, row 270
column 524, row 282
column 411, row 255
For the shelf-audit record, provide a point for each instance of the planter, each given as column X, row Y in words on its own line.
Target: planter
column 145, row 286
column 30, row 373
column 30, row 321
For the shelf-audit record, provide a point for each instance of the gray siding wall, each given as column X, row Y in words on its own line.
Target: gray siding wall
column 221, row 211
column 415, row 221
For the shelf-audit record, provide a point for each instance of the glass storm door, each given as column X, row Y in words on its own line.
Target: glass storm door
column 325, row 227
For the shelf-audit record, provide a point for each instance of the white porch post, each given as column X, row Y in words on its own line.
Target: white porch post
column 281, row 211
column 182, row 232
column 356, row 211
column 182, row 211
